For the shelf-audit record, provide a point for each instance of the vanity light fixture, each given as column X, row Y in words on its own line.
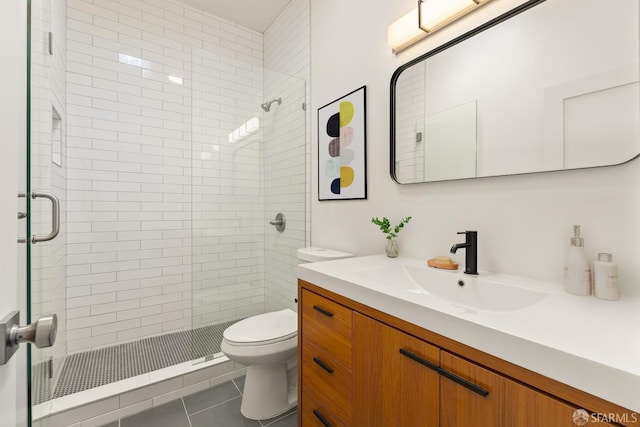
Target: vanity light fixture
column 405, row 31
column 428, row 17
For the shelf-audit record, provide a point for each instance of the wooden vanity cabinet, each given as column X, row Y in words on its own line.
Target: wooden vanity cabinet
column 325, row 355
column 395, row 381
column 387, row 372
column 470, row 396
column 526, row 407
column 312, row 413
column 328, row 325
column 507, row 403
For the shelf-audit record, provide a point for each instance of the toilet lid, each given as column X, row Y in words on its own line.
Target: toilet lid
column 263, row 328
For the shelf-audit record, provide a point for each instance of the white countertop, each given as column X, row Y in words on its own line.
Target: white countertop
column 590, row 344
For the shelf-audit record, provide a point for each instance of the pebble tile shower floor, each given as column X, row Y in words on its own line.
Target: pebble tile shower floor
column 215, row 407
column 90, row 369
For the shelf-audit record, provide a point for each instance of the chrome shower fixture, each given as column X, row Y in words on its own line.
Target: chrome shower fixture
column 267, row 105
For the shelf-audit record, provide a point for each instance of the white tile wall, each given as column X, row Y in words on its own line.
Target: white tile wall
column 154, row 88
column 287, row 149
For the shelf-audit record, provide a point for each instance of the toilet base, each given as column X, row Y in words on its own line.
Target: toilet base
column 268, row 392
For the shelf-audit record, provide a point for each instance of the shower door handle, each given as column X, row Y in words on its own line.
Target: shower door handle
column 55, row 216
column 41, row 333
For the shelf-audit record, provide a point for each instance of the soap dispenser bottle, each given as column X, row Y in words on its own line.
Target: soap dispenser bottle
column 577, row 272
column 605, row 278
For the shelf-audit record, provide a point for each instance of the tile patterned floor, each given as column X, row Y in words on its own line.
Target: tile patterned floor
column 215, row 407
column 82, row 371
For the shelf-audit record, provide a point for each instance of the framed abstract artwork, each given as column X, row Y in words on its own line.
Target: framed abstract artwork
column 342, row 140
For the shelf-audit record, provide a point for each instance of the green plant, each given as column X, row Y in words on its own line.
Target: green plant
column 385, row 226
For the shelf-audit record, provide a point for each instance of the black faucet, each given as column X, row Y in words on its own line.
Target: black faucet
column 471, row 256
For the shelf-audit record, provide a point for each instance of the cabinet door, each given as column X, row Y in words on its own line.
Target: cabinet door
column 526, row 407
column 392, row 388
column 469, row 394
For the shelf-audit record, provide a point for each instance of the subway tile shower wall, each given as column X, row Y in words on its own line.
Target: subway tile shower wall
column 166, row 220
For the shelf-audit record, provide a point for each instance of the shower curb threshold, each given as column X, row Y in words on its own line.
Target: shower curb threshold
column 110, row 402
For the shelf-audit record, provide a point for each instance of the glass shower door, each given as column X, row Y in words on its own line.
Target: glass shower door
column 46, row 257
column 286, row 187
column 248, row 164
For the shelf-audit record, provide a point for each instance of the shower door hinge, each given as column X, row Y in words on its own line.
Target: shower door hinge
column 304, row 106
column 50, row 43
column 50, row 367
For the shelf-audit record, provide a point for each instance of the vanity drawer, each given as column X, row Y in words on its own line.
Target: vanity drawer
column 330, row 381
column 314, row 414
column 327, row 325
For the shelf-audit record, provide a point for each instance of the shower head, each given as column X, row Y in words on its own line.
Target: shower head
column 267, row 105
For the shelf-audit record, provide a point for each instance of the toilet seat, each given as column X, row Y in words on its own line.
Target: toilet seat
column 263, row 329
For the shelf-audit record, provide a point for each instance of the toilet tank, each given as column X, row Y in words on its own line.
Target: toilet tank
column 315, row 254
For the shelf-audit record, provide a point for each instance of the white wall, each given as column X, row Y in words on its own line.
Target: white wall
column 524, row 222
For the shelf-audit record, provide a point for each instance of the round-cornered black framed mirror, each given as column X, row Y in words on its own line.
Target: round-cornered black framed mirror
column 550, row 85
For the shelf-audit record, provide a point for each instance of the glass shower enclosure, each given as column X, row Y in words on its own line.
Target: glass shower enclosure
column 168, row 169
column 249, row 164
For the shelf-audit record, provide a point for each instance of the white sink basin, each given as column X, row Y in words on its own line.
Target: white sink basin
column 531, row 323
column 473, row 292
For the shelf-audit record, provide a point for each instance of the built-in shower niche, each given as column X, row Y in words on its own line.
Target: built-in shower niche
column 56, row 137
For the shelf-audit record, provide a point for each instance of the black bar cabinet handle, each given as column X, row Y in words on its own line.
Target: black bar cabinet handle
column 322, row 419
column 464, row 383
column 323, row 365
column 323, row 311
column 419, row 359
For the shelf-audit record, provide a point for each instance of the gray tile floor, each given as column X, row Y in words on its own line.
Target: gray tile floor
column 215, row 407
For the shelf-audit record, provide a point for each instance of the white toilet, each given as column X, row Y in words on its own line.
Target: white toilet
column 267, row 345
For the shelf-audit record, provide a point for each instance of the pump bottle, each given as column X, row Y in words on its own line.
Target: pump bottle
column 605, row 278
column 577, row 272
